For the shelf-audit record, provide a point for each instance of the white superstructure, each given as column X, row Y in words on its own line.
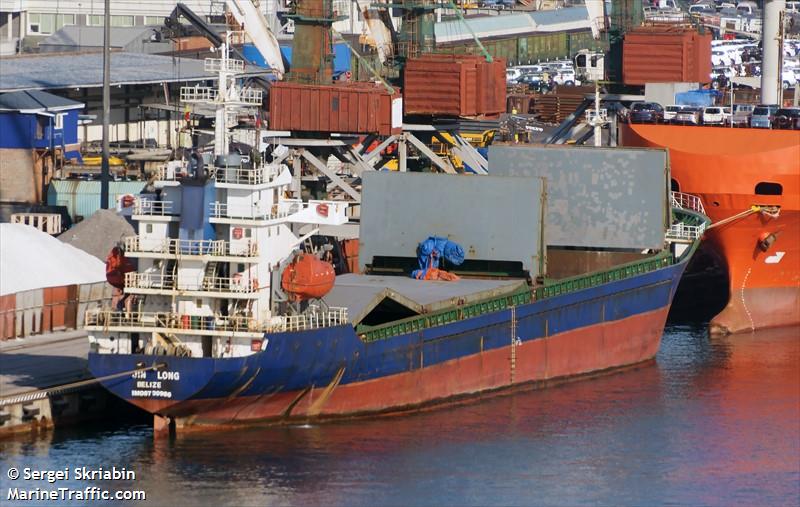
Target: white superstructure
column 209, row 242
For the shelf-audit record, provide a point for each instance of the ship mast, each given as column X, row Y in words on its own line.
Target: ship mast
column 772, row 43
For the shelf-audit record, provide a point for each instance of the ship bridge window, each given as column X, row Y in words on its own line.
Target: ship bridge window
column 767, row 188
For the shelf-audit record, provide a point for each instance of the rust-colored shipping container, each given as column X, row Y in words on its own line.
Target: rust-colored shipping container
column 350, row 252
column 8, row 305
column 454, row 85
column 352, row 108
column 662, row 54
column 60, row 308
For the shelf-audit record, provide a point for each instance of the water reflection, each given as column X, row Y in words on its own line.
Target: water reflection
column 711, row 422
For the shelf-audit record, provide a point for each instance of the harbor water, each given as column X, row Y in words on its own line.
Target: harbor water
column 713, row 421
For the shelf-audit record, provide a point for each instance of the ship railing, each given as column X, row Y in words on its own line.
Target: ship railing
column 291, row 206
column 687, row 201
column 174, row 246
column 241, row 176
column 681, row 231
column 601, row 116
column 150, row 207
column 250, row 96
column 283, row 209
column 171, row 171
column 145, row 280
column 104, row 319
column 236, row 283
column 198, row 94
column 313, row 319
column 275, row 212
column 231, row 65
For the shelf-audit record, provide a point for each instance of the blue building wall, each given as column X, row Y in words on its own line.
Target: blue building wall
column 18, row 130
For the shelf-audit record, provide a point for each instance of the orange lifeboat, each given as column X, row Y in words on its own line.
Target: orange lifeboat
column 308, row 277
column 116, row 267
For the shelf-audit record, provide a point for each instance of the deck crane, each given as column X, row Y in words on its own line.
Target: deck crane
column 255, row 26
column 241, row 10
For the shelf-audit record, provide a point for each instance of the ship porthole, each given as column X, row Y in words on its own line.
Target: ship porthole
column 715, row 203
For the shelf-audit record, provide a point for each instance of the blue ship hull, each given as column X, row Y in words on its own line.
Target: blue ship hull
column 332, row 372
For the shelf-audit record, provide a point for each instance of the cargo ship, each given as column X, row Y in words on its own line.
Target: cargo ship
column 372, row 343
column 233, row 315
column 228, row 309
column 748, row 180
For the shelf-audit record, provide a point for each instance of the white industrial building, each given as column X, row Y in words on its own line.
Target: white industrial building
column 25, row 23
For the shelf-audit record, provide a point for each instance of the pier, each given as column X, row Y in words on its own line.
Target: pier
column 44, row 383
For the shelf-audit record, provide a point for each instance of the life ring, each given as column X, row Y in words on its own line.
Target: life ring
column 322, row 210
column 128, row 200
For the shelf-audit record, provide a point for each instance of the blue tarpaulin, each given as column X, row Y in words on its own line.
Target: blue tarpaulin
column 341, row 56
column 431, row 251
column 700, row 98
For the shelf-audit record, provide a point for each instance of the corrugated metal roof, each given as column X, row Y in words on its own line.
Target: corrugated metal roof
column 558, row 16
column 92, row 36
column 85, row 70
column 518, row 23
column 36, row 100
column 82, row 198
column 484, row 26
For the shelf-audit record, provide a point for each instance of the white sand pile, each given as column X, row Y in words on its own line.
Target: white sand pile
column 31, row 259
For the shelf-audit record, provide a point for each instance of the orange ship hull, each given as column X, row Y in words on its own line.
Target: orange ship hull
column 759, row 249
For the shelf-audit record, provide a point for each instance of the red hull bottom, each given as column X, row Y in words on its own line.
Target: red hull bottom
column 751, row 309
column 764, row 283
column 559, row 357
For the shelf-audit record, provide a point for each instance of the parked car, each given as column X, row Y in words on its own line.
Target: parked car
column 741, row 115
column 701, row 10
column 529, row 79
column 789, row 78
column 762, row 116
column 525, row 69
column 566, row 78
column 720, row 58
column 747, row 8
column 646, row 112
column 512, row 75
column 688, row 115
column 559, row 65
column 787, row 118
column 716, row 115
column 670, row 112
column 506, row 4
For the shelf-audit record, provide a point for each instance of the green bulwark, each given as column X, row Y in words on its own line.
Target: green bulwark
column 551, row 288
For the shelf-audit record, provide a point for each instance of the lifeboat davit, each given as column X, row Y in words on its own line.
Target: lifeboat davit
column 116, row 267
column 308, row 277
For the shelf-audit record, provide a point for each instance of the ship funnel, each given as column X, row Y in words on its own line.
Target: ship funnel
column 772, row 42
